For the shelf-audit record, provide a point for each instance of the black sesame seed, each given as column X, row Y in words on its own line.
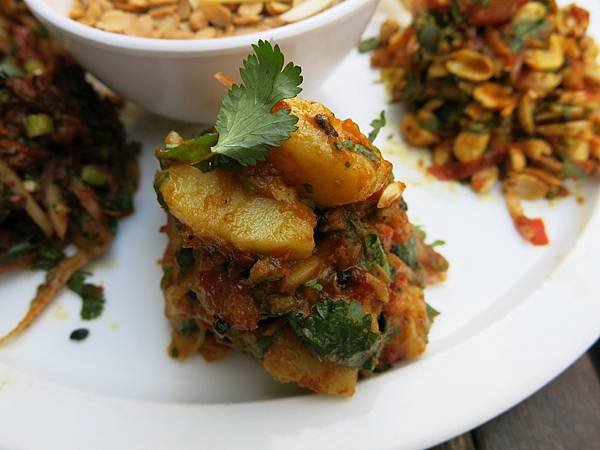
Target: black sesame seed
column 79, row 334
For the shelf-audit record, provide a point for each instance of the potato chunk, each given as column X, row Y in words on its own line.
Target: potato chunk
column 216, row 206
column 320, row 161
column 288, row 360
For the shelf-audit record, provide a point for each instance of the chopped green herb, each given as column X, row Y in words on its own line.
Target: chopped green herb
column 93, row 176
column 119, row 202
column 246, row 125
column 418, row 229
column 10, row 69
column 455, row 12
column 314, row 284
column 429, row 36
column 375, row 254
column 437, row 243
column 413, row 90
column 521, row 32
column 377, row 125
column 356, row 148
column 261, row 346
column 432, row 313
column 368, row 45
column 16, row 251
column 37, row 125
column 572, row 170
column 48, row 256
column 407, row 252
column 432, row 124
column 338, row 330
column 45, row 257
column 354, row 221
column 91, row 295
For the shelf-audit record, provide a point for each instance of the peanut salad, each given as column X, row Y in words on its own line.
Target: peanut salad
column 289, row 239
column 503, row 90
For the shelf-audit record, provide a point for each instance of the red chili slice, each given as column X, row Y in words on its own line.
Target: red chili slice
column 532, row 229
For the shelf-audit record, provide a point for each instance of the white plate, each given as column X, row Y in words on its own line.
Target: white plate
column 513, row 316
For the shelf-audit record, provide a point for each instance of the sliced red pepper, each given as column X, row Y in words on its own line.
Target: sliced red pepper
column 532, row 229
column 579, row 14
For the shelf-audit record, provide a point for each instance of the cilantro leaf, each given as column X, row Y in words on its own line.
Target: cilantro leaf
column 246, row 125
column 520, row 33
column 356, row 148
column 375, row 254
column 407, row 252
column 338, row 330
column 262, row 74
column 377, row 125
column 91, row 295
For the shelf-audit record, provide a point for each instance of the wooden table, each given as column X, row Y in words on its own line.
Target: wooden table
column 564, row 415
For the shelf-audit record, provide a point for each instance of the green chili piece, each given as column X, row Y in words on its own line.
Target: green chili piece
column 37, row 125
column 93, row 176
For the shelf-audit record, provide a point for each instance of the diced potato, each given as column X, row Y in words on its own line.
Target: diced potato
column 315, row 166
column 216, row 206
column 288, row 360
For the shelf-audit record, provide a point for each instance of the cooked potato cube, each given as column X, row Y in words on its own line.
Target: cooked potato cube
column 329, row 159
column 288, row 360
column 215, row 205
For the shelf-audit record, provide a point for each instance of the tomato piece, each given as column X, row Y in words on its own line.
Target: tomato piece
column 493, row 13
column 579, row 14
column 532, row 229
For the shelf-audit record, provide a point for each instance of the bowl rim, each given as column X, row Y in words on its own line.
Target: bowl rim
column 103, row 38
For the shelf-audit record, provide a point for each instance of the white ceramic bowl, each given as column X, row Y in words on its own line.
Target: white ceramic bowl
column 174, row 78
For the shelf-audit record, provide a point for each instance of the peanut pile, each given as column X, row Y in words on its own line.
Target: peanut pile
column 192, row 19
column 502, row 90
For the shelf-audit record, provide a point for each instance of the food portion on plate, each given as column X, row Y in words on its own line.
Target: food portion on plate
column 500, row 90
column 289, row 239
column 66, row 173
column 193, row 19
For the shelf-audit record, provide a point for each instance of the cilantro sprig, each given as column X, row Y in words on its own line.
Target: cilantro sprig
column 246, row 125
